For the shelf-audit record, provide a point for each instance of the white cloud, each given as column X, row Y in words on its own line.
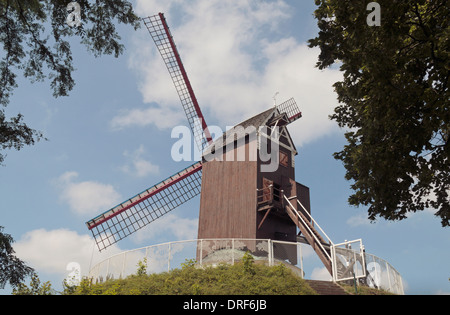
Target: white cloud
column 138, row 166
column 86, row 198
column 321, row 274
column 307, row 251
column 358, row 220
column 170, row 224
column 236, row 60
column 162, row 119
column 52, row 251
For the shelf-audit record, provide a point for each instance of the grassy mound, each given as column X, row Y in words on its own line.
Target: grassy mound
column 243, row 278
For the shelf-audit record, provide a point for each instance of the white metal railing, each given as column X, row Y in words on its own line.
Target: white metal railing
column 307, row 226
column 348, row 261
column 210, row 252
column 382, row 275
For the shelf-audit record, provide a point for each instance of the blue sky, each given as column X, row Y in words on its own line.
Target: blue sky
column 112, row 138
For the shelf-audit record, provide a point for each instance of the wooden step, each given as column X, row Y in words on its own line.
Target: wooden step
column 326, row 287
column 265, row 208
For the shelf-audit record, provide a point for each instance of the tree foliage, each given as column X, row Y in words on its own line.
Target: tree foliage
column 12, row 269
column 35, row 38
column 35, row 287
column 393, row 100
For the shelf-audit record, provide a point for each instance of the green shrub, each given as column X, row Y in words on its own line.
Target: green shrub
column 242, row 278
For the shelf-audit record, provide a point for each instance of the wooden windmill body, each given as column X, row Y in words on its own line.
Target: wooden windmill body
column 239, row 199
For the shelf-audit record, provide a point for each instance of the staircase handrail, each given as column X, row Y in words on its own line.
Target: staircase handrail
column 311, row 232
column 315, row 222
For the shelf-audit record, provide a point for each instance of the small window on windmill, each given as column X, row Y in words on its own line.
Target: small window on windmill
column 284, row 159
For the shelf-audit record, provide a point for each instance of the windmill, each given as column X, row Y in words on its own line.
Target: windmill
column 238, row 198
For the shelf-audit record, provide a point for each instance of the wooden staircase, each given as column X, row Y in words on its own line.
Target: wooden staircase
column 299, row 217
column 326, row 287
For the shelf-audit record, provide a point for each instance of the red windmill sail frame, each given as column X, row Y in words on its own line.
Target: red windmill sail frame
column 121, row 208
column 144, row 208
column 291, row 109
column 186, row 79
column 160, row 32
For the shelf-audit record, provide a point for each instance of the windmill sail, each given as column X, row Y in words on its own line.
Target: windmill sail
column 162, row 37
column 137, row 212
column 291, row 109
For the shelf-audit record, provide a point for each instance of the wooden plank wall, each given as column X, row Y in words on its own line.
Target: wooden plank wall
column 228, row 200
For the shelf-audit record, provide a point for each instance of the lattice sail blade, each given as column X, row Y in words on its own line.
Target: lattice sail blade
column 291, row 109
column 144, row 208
column 163, row 39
